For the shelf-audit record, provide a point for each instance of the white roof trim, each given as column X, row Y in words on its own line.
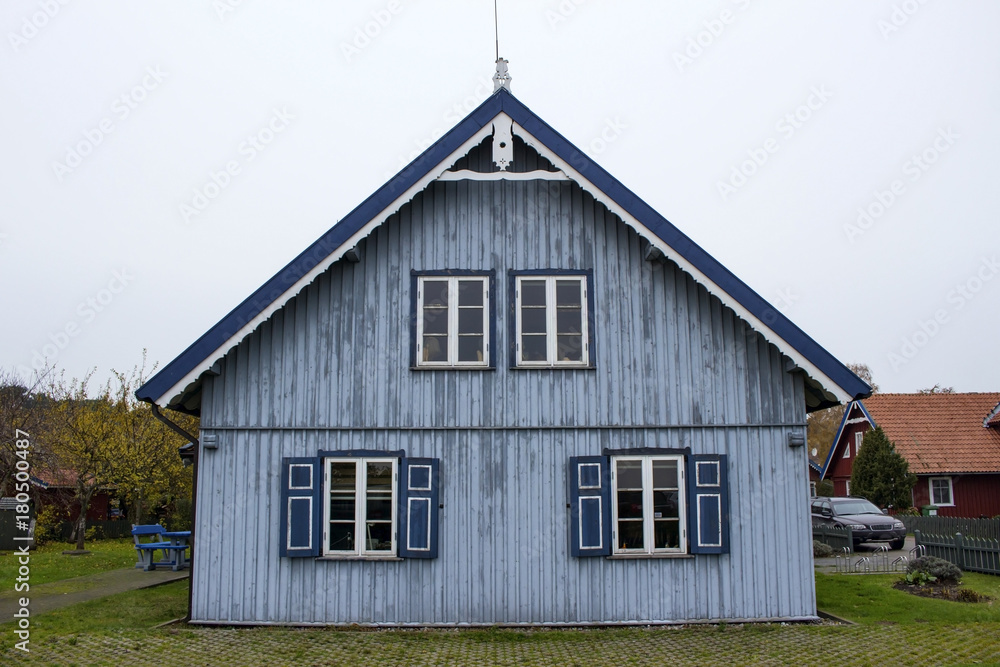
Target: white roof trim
column 468, row 175
column 567, row 170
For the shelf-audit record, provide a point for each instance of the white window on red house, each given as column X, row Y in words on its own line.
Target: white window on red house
column 858, row 437
column 941, row 491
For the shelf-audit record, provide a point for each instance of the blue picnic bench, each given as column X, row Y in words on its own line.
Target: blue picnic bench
column 174, row 547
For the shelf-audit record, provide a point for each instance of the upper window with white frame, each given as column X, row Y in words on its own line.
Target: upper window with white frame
column 648, row 504
column 941, row 491
column 552, row 319
column 858, row 438
column 453, row 319
column 360, row 512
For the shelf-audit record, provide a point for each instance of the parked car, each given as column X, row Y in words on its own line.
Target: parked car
column 867, row 522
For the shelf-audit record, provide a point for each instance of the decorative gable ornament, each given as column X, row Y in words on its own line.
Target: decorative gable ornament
column 502, row 78
column 503, row 142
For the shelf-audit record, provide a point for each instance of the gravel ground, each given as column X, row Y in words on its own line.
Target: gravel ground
column 794, row 644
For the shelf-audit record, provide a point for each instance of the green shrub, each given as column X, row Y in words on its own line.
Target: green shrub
column 822, row 550
column 47, row 523
column 936, row 569
column 919, row 578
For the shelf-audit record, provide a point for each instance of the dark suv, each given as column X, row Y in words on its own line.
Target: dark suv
column 868, row 523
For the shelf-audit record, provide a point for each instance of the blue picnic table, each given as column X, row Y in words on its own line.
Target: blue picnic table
column 172, row 544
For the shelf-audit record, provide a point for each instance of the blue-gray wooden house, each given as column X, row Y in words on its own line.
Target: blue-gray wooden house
column 502, row 390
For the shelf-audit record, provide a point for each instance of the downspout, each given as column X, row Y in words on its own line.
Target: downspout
column 194, row 496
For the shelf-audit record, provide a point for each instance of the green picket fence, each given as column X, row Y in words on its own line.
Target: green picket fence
column 837, row 538
column 949, row 525
column 971, row 554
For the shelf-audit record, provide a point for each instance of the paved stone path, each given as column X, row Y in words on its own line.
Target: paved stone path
column 794, row 644
column 58, row 594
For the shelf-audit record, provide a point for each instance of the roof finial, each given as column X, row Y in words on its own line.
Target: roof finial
column 502, row 78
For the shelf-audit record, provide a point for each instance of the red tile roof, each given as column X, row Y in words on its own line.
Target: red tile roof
column 940, row 433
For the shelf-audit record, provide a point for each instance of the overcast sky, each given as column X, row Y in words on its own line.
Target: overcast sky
column 841, row 158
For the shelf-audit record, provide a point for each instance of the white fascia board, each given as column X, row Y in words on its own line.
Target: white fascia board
column 322, row 266
column 676, row 257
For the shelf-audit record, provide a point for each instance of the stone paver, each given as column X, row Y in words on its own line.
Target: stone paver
column 700, row 645
column 58, row 594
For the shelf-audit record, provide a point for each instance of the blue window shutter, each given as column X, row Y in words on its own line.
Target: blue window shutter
column 301, row 507
column 590, row 506
column 419, row 493
column 708, row 503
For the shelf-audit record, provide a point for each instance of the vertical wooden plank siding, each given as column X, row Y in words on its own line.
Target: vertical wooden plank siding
column 674, row 368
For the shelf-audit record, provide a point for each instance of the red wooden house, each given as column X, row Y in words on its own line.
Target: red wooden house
column 951, row 442
column 58, row 488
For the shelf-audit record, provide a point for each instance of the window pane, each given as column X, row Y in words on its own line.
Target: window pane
column 378, row 537
column 667, row 535
column 470, row 292
column 341, row 537
column 630, row 535
column 533, row 348
column 532, row 320
column 532, row 292
column 568, row 292
column 379, row 506
column 435, row 320
column 380, row 476
column 568, row 320
column 665, row 505
column 664, row 474
column 470, row 348
column 342, row 476
column 569, row 348
column 629, row 474
column 435, row 293
column 470, row 320
column 630, row 504
column 341, row 507
column 435, row 348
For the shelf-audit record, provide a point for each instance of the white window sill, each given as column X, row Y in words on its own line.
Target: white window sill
column 552, row 367
column 352, row 558
column 943, row 504
column 452, row 368
column 647, row 556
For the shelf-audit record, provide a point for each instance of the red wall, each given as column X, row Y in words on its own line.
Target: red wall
column 100, row 503
column 974, row 495
column 840, row 468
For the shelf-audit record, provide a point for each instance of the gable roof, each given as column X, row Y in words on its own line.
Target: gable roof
column 940, row 433
column 828, row 382
column 856, row 408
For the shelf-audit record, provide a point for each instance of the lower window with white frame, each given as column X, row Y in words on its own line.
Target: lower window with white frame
column 359, row 504
column 648, row 504
column 360, row 513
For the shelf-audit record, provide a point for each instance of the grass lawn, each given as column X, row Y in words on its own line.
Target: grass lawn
column 870, row 599
column 118, row 629
column 49, row 564
column 133, row 610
